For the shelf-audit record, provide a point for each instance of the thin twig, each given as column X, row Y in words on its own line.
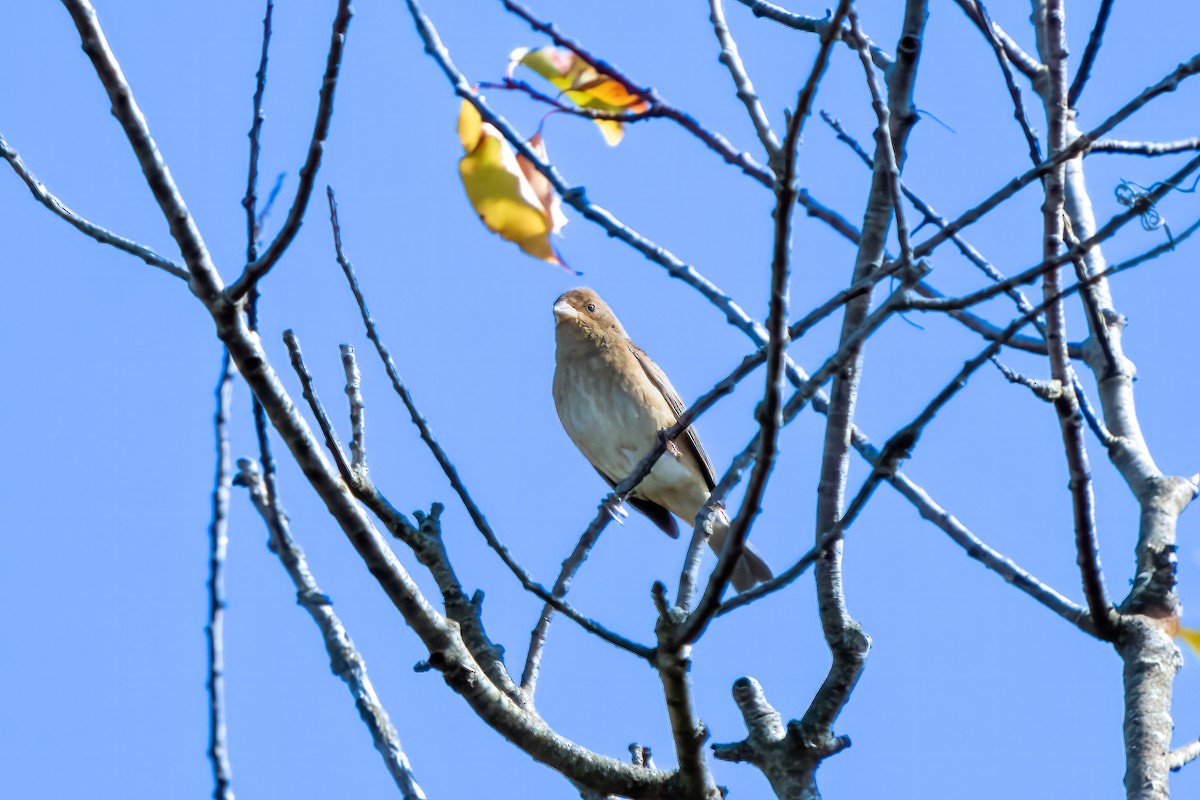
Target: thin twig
column 1032, row 273
column 1076, row 148
column 218, row 538
column 902, row 444
column 562, row 585
column 817, row 25
column 347, row 663
column 102, row 235
column 978, row 14
column 256, row 269
column 1029, row 66
column 426, row 433
column 1089, row 53
column 202, row 274
column 339, row 456
column 358, row 439
column 732, row 60
column 250, row 201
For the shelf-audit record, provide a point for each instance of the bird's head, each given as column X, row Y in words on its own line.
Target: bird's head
column 581, row 312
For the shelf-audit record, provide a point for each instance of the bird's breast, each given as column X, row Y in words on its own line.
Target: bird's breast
column 611, row 413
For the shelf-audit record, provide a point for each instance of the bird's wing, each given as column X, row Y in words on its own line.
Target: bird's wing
column 691, row 441
column 664, row 519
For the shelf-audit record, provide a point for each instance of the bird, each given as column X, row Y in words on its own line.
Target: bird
column 613, row 402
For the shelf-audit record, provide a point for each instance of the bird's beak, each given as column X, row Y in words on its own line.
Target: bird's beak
column 563, row 311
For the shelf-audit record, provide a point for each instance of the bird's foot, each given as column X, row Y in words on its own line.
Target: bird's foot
column 615, row 508
column 670, row 444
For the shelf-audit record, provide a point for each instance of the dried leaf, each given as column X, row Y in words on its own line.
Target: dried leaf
column 583, row 84
column 512, row 198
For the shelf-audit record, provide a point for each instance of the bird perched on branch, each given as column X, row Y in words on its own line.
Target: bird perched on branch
column 613, row 401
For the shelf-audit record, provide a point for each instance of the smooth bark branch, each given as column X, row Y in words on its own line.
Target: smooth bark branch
column 102, row 235
column 255, row 270
column 214, row 632
column 903, row 442
column 358, row 421
column 901, row 77
column 1151, row 662
column 1152, row 607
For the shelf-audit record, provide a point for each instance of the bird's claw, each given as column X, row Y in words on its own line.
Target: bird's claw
column 669, row 443
column 616, row 509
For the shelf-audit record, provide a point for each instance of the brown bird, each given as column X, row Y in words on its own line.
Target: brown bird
column 612, row 401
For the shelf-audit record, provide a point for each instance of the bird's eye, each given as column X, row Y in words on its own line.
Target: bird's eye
column 591, row 307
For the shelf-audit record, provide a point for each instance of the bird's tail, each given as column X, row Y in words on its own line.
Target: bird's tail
column 750, row 569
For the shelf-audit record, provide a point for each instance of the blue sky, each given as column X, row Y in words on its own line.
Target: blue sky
column 110, row 367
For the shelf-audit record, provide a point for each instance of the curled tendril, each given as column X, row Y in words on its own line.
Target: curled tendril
column 1130, row 194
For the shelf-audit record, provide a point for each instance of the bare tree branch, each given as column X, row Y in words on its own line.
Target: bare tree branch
column 1084, row 247
column 1089, row 53
column 256, row 269
column 672, row 660
column 202, row 275
column 214, row 631
column 1150, row 149
column 770, row 410
column 345, row 660
column 1077, row 147
column 448, row 653
column 1180, row 757
column 102, row 235
column 250, row 201
column 817, row 25
column 732, row 60
column 1029, row 66
column 978, row 14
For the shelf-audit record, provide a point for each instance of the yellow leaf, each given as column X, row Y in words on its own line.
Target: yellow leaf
column 510, row 196
column 1191, row 637
column 583, row 85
